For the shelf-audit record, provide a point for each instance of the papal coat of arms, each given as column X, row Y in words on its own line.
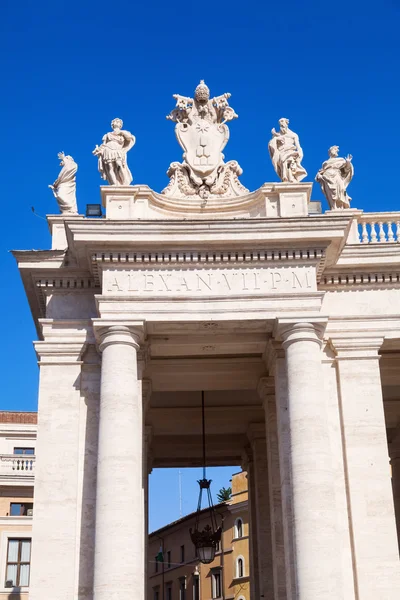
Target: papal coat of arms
column 202, row 133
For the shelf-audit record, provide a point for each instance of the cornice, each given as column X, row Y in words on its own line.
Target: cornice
column 372, row 278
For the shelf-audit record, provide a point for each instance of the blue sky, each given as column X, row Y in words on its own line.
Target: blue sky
column 68, row 68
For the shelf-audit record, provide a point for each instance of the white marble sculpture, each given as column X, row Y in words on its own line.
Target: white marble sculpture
column 334, row 177
column 64, row 187
column 112, row 153
column 286, row 153
column 202, row 133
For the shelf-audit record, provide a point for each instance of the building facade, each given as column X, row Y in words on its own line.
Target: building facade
column 287, row 318
column 17, row 470
column 174, row 570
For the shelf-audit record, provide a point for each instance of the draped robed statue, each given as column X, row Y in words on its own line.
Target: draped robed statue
column 64, row 187
column 334, row 176
column 112, row 153
column 286, row 153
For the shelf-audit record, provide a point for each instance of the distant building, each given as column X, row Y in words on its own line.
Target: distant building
column 181, row 576
column 17, row 469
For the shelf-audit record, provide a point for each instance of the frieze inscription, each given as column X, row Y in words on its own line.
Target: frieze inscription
column 209, row 282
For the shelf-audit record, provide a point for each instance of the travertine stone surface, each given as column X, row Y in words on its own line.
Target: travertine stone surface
column 256, row 435
column 202, row 133
column 248, row 466
column 266, row 390
column 119, row 546
column 370, row 498
column 334, row 176
column 64, row 187
column 316, row 541
column 286, row 153
column 56, row 478
column 112, row 159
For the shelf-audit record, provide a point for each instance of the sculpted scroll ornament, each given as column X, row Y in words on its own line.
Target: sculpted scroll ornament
column 202, row 133
column 334, row 176
column 286, row 153
column 112, row 153
column 64, row 187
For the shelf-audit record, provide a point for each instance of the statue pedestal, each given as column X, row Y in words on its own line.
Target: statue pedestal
column 126, row 202
column 271, row 200
column 57, row 229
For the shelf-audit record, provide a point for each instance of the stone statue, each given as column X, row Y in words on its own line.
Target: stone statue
column 286, row 153
column 334, row 177
column 113, row 165
column 202, row 133
column 64, row 187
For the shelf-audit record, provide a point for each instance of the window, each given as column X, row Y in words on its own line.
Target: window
column 18, row 563
column 196, row 588
column 24, row 450
column 21, row 509
column 240, row 567
column 168, row 590
column 182, row 588
column 239, row 528
column 169, row 559
column 216, row 584
column 156, row 593
column 182, row 554
column 218, row 547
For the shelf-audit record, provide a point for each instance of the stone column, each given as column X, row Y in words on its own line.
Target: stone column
column 266, row 390
column 248, row 466
column 370, row 498
column 256, row 436
column 315, row 539
column 119, row 549
column 394, row 452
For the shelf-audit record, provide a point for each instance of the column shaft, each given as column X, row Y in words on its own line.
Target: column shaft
column 119, row 560
column 315, row 538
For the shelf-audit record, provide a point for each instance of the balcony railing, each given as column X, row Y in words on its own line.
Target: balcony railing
column 18, row 465
column 378, row 228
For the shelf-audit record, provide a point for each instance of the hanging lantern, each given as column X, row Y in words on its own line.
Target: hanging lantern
column 205, row 540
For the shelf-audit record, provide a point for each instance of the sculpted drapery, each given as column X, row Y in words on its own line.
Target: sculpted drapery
column 64, row 187
column 112, row 161
column 286, row 153
column 334, row 177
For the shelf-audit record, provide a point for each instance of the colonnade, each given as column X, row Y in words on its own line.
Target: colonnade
column 321, row 501
column 303, row 552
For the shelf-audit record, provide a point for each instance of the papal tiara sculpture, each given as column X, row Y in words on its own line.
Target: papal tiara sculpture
column 202, row 133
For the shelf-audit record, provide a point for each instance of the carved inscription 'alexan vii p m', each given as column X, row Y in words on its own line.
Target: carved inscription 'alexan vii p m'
column 209, row 282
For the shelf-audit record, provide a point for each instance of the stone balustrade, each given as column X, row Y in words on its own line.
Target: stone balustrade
column 375, row 228
column 17, row 465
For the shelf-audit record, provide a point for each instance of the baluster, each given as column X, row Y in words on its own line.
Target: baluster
column 373, row 233
column 365, row 239
column 390, row 232
column 398, row 232
column 382, row 236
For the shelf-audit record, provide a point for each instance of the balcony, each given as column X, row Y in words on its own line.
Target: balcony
column 17, row 467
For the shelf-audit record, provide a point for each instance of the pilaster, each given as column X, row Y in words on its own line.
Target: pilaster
column 266, row 391
column 248, row 466
column 256, row 437
column 370, row 499
column 57, row 469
